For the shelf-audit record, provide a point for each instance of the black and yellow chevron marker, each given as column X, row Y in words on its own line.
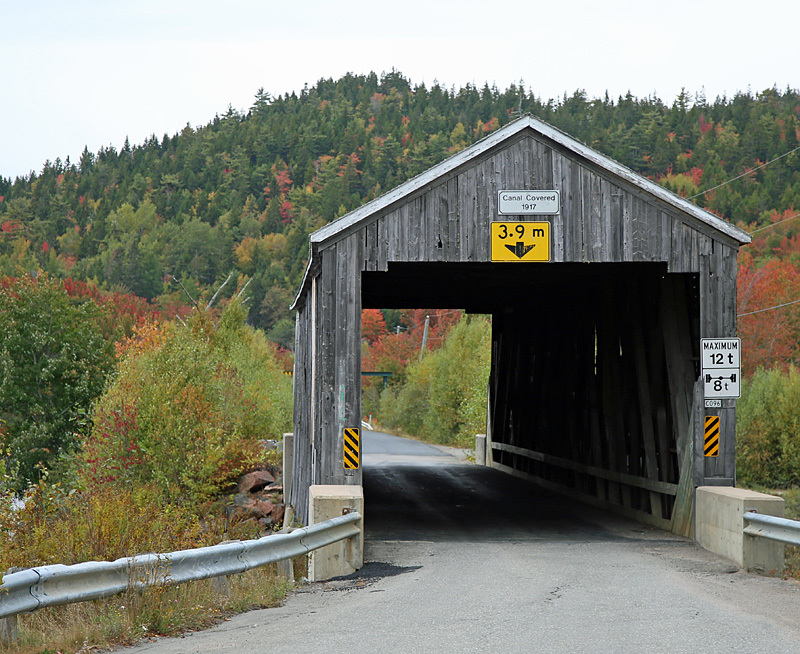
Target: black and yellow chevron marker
column 352, row 445
column 711, row 440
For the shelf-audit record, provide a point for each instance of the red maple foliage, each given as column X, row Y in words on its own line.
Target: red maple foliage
column 392, row 352
column 492, row 125
column 779, row 241
column 124, row 310
column 286, row 211
column 770, row 333
column 281, row 172
column 696, row 174
column 9, row 226
column 373, row 325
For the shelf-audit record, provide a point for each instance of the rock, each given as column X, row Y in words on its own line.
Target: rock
column 255, row 481
column 261, row 508
column 277, row 513
column 253, row 509
column 259, row 499
column 241, row 499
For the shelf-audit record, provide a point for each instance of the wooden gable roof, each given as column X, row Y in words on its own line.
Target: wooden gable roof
column 528, row 126
column 363, row 214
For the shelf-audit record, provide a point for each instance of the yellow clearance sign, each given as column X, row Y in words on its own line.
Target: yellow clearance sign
column 525, row 241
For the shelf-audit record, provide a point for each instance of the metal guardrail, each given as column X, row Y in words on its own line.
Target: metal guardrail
column 772, row 527
column 52, row 585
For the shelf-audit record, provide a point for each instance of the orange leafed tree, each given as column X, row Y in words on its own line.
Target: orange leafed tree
column 770, row 337
column 391, row 352
column 373, row 325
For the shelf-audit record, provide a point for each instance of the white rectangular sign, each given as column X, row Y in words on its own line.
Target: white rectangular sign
column 721, row 360
column 528, row 203
column 720, row 353
column 722, row 382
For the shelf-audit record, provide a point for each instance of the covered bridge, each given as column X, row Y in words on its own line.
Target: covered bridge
column 595, row 385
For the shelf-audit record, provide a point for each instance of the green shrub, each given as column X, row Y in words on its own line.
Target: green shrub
column 53, row 364
column 404, row 405
column 443, row 398
column 768, row 429
column 188, row 410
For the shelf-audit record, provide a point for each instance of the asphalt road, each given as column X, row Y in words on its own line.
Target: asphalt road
column 467, row 559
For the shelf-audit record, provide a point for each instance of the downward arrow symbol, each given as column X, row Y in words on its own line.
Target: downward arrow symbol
column 520, row 249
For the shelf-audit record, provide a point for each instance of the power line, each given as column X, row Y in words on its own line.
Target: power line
column 773, row 224
column 434, row 314
column 777, row 306
column 747, row 172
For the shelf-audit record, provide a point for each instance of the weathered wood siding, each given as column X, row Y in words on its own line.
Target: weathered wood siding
column 604, row 219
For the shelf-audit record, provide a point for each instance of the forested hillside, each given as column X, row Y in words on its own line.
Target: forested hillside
column 242, row 193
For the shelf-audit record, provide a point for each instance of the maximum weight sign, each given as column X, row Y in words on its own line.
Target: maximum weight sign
column 722, row 367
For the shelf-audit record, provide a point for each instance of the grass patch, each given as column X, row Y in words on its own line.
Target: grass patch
column 158, row 611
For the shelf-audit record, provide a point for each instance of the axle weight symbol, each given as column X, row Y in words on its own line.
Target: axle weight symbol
column 732, row 378
column 721, row 384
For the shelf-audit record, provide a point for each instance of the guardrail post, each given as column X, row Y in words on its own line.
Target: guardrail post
column 286, row 568
column 9, row 634
column 8, row 631
column 346, row 556
column 480, row 449
column 288, row 464
column 221, row 586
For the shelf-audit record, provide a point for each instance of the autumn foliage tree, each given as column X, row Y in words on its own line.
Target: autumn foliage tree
column 392, row 351
column 189, row 407
column 244, row 191
column 373, row 325
column 771, row 336
column 769, row 270
column 443, row 396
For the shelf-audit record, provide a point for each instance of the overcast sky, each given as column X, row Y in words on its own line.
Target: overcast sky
column 91, row 72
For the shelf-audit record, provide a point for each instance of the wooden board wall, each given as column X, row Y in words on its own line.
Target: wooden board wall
column 603, row 219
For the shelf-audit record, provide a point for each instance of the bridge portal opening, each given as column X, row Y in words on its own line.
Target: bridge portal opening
column 586, row 374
